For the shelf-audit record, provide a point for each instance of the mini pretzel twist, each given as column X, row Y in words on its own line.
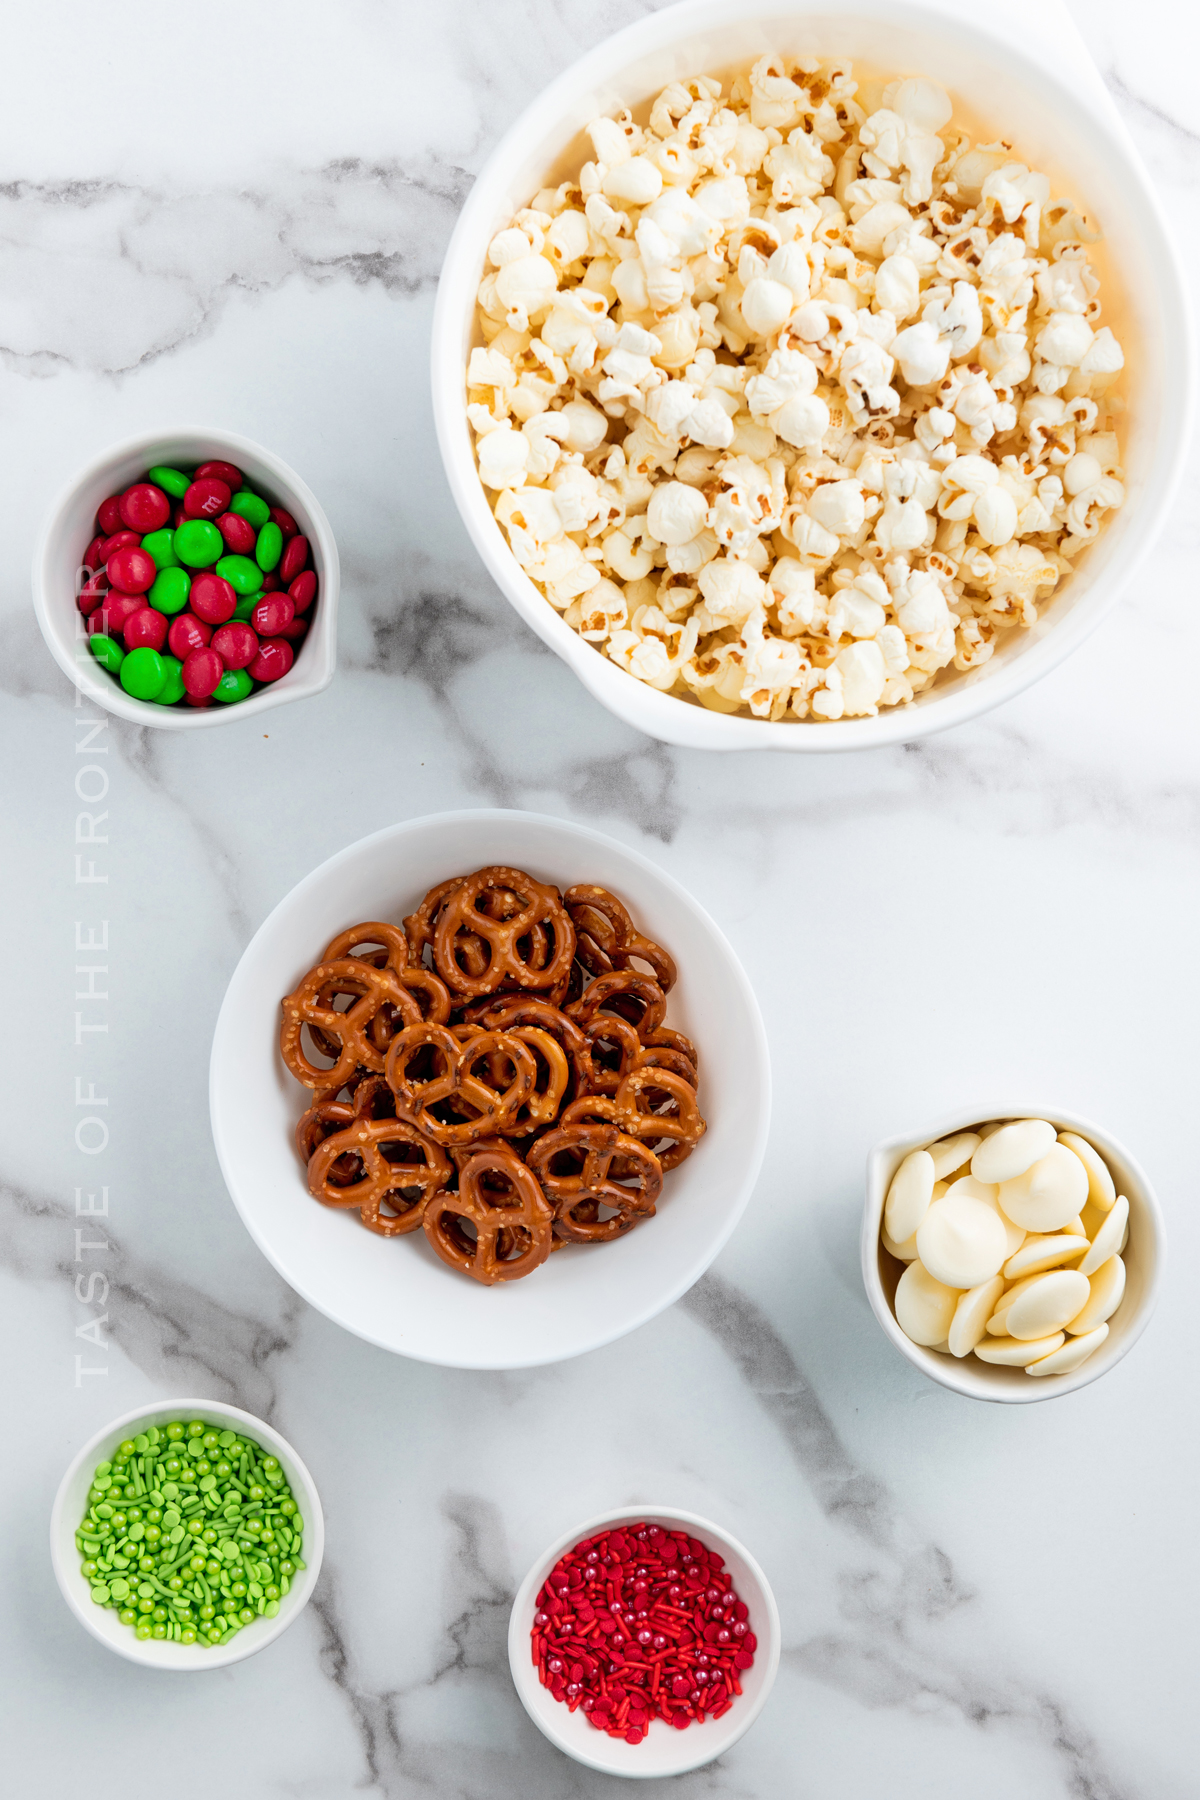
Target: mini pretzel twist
column 512, row 1236
column 578, row 1195
column 382, row 1180
column 385, row 946
column 626, row 995
column 682, row 1126
column 607, row 938
column 348, row 1032
column 466, row 916
column 483, row 1110
column 501, row 1013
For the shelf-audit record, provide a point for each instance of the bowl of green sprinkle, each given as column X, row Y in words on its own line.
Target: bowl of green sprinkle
column 186, row 1536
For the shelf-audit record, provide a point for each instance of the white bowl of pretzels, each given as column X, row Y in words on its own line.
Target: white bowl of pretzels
column 489, row 1089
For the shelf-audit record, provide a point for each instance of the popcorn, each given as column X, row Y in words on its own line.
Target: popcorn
column 788, row 406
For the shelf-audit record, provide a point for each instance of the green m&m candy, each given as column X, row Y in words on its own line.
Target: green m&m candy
column 198, row 543
column 269, row 548
column 107, row 652
column 243, row 576
column 251, row 507
column 172, row 688
column 245, row 606
column 233, row 686
column 161, row 548
column 170, row 591
column 172, row 481
column 143, row 674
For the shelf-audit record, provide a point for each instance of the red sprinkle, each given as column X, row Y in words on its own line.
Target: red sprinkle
column 649, row 1604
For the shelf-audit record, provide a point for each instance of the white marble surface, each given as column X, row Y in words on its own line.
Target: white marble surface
column 237, row 215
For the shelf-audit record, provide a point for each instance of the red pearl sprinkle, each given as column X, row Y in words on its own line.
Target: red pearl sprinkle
column 144, row 507
column 239, row 534
column 626, row 1628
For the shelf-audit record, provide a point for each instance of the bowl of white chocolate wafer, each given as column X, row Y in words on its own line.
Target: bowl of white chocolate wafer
column 814, row 378
column 1012, row 1254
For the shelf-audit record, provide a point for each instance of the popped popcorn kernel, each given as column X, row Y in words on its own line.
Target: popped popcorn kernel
column 788, row 405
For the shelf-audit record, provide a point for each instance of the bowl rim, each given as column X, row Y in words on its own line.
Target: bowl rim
column 957, row 1374
column 529, row 1690
column 665, row 716
column 151, row 1653
column 226, row 1026
column 89, row 679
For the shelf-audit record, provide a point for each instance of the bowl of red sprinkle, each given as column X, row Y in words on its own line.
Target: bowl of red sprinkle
column 187, row 577
column 645, row 1642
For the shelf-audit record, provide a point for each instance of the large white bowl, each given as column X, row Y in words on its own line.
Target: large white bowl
column 396, row 1292
column 69, row 529
column 663, row 1750
column 1053, row 124
column 1144, row 1255
column 70, row 1504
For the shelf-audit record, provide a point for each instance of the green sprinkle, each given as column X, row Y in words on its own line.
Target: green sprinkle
column 165, row 1535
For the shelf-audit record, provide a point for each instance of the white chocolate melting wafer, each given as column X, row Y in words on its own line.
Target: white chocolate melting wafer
column 1039, row 1253
column 1101, row 1191
column 1047, row 1304
column 909, row 1195
column 924, row 1307
column 951, row 1153
column 1011, row 1150
column 1107, row 1287
column 971, row 1316
column 961, row 1241
column 1048, row 1193
column 1074, row 1352
column 1012, row 1353
column 1109, row 1240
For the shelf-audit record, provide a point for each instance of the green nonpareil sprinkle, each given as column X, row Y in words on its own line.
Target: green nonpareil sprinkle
column 222, row 1504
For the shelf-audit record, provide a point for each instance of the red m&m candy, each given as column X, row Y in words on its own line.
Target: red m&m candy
column 108, row 518
column 202, row 669
column 206, row 499
column 238, row 533
column 187, row 634
column 273, row 660
column 130, row 569
column 146, row 627
column 271, row 615
column 303, row 591
column 92, row 592
column 222, row 471
column 212, row 598
column 294, row 558
column 144, row 507
column 285, row 522
column 110, row 617
column 118, row 541
column 236, row 645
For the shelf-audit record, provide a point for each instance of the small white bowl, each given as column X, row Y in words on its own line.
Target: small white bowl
column 1144, row 1255
column 70, row 1504
column 1055, row 121
column 396, row 1292
column 663, row 1750
column 69, row 529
